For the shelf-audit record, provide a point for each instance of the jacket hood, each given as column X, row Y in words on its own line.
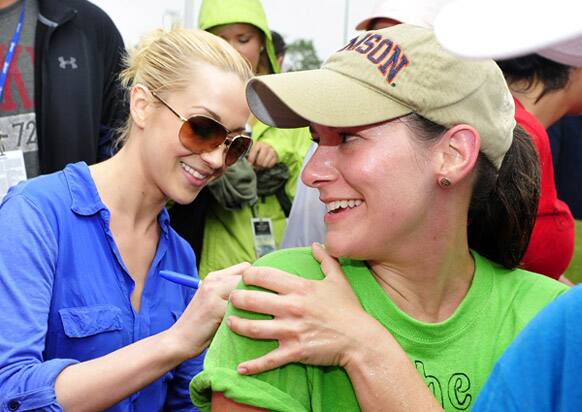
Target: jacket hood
column 217, row 12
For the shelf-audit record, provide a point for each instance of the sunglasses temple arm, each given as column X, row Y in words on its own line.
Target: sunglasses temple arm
column 169, row 107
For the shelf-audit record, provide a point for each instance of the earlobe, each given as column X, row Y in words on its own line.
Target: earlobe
column 445, row 182
column 460, row 146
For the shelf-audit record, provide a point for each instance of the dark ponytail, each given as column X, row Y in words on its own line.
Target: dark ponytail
column 503, row 206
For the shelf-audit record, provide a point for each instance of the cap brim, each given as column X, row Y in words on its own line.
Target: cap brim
column 322, row 96
column 567, row 52
column 501, row 29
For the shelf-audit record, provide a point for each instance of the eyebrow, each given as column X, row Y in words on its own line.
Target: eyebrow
column 207, row 110
column 216, row 116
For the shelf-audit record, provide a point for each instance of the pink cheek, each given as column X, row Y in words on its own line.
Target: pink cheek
column 362, row 176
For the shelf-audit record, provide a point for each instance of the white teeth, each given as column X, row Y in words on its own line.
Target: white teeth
column 342, row 204
column 196, row 174
column 193, row 172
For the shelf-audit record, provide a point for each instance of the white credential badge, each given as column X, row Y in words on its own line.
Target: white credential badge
column 12, row 170
column 17, row 136
column 263, row 236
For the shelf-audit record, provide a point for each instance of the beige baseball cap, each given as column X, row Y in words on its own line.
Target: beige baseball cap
column 385, row 74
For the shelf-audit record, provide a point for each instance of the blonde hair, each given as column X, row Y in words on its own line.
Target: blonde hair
column 164, row 61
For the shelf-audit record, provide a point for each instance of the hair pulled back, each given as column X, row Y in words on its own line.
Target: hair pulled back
column 165, row 61
column 503, row 206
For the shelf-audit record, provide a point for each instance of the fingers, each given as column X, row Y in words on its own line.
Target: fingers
column 262, row 156
column 272, row 360
column 267, row 157
column 271, row 160
column 319, row 252
column 265, row 302
column 223, row 282
column 255, row 329
column 329, row 265
column 237, row 269
column 253, row 153
column 215, row 290
column 274, row 279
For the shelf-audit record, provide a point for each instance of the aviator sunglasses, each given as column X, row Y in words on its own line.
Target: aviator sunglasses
column 201, row 134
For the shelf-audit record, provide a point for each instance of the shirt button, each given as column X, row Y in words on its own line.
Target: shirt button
column 13, row 405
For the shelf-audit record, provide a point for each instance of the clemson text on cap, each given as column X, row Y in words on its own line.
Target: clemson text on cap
column 381, row 52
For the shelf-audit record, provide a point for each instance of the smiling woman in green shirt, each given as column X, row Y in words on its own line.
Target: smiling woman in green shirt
column 431, row 193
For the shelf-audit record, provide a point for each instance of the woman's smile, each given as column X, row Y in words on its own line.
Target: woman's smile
column 340, row 209
column 195, row 177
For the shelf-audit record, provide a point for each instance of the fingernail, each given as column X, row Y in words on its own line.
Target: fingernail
column 242, row 370
column 228, row 322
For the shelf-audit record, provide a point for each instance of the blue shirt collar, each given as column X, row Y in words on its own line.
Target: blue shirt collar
column 85, row 199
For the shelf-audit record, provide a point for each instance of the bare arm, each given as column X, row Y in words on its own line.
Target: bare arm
column 114, row 377
column 566, row 281
column 221, row 403
column 384, row 379
column 322, row 323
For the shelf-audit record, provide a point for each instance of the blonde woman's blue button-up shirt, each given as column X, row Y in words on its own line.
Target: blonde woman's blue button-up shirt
column 65, row 293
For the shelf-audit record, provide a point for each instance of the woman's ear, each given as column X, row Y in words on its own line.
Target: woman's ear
column 460, row 149
column 139, row 101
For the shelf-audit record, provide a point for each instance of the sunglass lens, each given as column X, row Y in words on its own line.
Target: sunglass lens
column 201, row 134
column 237, row 148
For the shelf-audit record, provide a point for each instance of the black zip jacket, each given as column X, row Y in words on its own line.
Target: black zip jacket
column 78, row 99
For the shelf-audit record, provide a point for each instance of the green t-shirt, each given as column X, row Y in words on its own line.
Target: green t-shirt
column 454, row 357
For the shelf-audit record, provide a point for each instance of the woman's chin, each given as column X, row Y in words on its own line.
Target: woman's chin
column 184, row 198
column 336, row 249
column 345, row 247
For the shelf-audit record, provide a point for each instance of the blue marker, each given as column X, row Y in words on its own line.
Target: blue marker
column 180, row 278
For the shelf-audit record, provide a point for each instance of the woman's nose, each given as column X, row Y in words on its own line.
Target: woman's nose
column 215, row 158
column 321, row 168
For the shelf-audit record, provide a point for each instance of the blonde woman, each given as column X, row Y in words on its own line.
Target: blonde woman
column 248, row 208
column 87, row 322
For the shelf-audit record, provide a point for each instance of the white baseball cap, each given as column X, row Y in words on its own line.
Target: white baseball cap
column 502, row 29
column 417, row 12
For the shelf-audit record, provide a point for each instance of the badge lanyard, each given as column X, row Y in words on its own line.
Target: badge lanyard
column 10, row 53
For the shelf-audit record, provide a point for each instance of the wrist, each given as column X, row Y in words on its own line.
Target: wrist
column 370, row 347
column 179, row 345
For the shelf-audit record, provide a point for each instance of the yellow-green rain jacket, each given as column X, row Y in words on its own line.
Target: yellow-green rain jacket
column 228, row 237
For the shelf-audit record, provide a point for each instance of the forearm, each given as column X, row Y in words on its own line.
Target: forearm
column 384, row 379
column 100, row 383
column 119, row 374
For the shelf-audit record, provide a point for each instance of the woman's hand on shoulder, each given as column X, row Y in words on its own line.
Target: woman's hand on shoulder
column 194, row 330
column 263, row 156
column 315, row 322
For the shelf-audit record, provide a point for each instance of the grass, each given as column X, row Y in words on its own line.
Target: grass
column 574, row 271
